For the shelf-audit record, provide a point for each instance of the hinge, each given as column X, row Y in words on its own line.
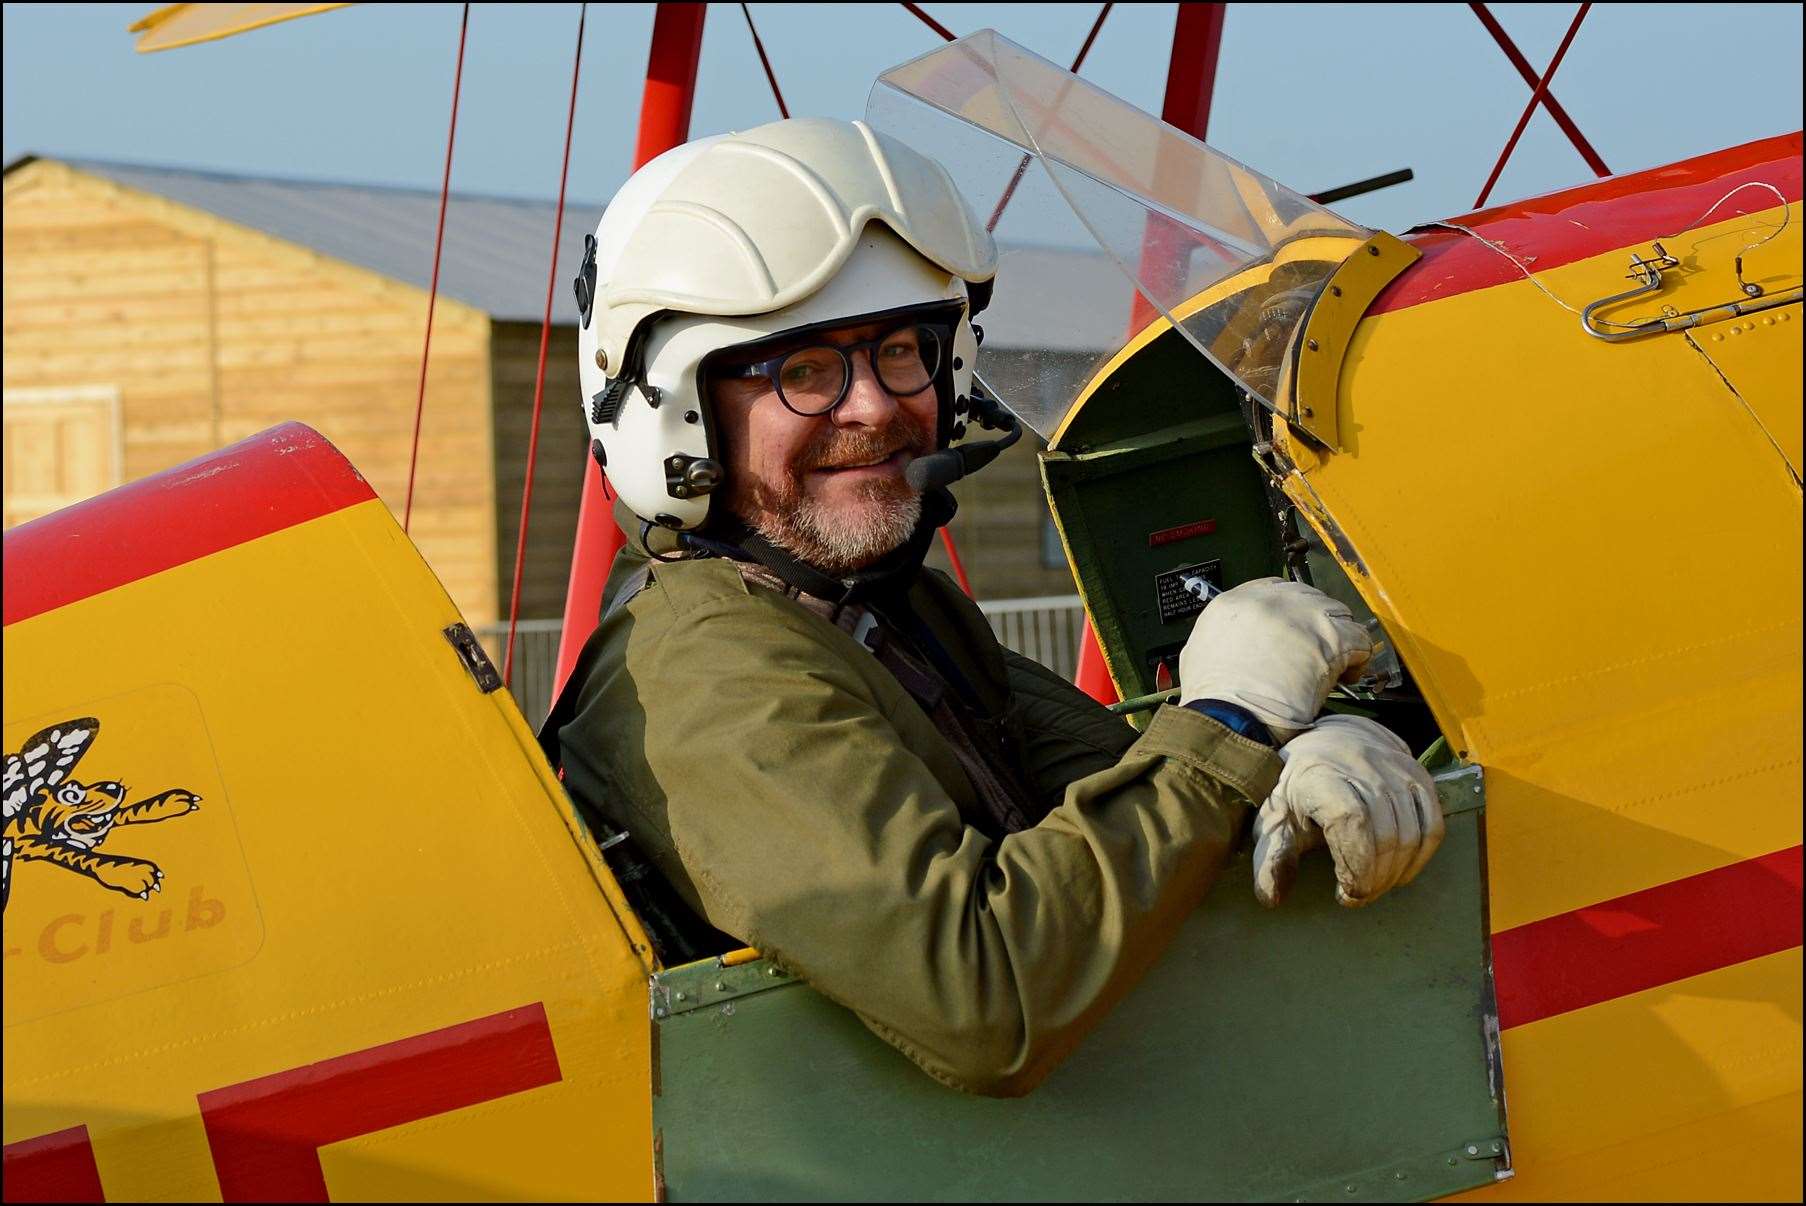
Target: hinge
column 476, row 662
column 712, row 983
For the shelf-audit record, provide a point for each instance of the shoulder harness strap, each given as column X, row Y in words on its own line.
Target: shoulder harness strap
column 979, row 742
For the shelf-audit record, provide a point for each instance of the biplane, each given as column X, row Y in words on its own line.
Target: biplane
column 1552, row 448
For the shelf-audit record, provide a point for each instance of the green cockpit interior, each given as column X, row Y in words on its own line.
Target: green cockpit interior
column 1154, row 479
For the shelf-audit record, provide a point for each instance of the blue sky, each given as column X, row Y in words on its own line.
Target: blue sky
column 1314, row 95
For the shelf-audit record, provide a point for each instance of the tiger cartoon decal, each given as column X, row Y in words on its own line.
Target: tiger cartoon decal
column 52, row 816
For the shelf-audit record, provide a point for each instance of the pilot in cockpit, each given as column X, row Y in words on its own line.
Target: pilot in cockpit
column 816, row 746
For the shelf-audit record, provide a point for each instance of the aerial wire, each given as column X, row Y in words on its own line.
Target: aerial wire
column 539, row 377
column 432, row 296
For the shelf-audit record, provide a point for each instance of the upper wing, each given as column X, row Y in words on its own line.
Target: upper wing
column 185, row 24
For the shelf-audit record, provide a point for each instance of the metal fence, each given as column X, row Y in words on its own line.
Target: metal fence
column 535, row 661
column 1046, row 629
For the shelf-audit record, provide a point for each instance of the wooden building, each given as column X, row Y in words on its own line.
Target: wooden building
column 154, row 314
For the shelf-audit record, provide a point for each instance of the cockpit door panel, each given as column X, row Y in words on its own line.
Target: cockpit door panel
column 1310, row 1052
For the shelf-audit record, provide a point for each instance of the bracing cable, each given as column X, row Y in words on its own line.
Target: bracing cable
column 539, row 376
column 432, row 297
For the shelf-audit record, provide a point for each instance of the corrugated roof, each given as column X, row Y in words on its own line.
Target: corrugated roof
column 495, row 248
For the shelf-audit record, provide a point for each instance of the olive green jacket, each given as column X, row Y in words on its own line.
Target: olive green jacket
column 800, row 800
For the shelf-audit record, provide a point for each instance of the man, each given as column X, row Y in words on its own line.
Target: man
column 818, row 746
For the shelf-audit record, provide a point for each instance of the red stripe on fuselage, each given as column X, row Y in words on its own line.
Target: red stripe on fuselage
column 1674, row 930
column 1561, row 228
column 266, row 1134
column 274, row 480
column 58, row 1167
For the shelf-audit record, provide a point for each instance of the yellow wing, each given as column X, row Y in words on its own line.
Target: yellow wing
column 176, row 25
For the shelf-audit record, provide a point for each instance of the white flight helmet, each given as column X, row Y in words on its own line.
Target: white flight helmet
column 740, row 237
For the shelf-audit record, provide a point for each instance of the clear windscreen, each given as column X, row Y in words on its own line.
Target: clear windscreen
column 1105, row 219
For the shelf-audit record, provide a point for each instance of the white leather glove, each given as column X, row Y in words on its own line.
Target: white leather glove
column 1275, row 648
column 1353, row 785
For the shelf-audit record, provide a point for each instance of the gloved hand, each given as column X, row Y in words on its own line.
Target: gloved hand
column 1275, row 648
column 1354, row 785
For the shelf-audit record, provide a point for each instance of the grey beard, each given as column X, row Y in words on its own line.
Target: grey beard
column 839, row 542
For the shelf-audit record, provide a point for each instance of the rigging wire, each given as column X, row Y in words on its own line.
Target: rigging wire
column 759, row 45
column 1536, row 98
column 539, row 377
column 947, row 543
column 1091, row 37
column 930, row 22
column 432, row 296
column 959, row 570
column 1549, row 102
column 1021, row 168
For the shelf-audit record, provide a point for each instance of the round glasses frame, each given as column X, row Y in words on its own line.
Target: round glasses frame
column 935, row 336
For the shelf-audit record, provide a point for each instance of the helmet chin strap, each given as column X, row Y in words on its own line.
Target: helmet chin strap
column 890, row 574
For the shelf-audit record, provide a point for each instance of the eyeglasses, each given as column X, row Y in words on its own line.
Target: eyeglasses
column 814, row 379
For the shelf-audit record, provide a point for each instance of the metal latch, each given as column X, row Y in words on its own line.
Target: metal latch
column 476, row 662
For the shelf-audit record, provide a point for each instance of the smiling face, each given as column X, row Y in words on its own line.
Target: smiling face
column 828, row 489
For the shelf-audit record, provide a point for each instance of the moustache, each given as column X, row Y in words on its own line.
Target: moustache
column 836, row 449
